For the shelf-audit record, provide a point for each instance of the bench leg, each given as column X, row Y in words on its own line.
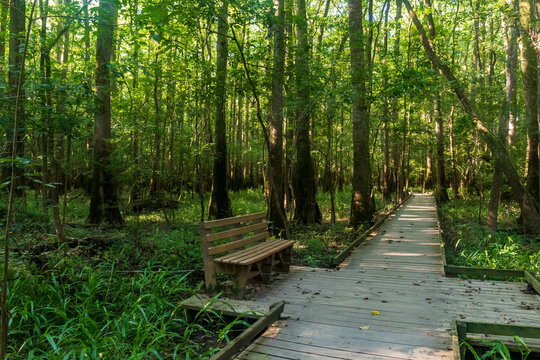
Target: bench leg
column 210, row 277
column 285, row 260
column 265, row 268
column 240, row 280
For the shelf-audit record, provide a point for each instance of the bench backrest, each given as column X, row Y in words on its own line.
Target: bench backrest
column 241, row 231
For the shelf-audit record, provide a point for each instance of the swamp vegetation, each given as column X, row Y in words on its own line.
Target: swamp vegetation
column 126, row 122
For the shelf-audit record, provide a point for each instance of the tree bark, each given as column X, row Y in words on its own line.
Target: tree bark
column 361, row 208
column 441, row 193
column 104, row 200
column 529, row 68
column 220, row 203
column 454, row 181
column 4, row 6
column 510, row 35
column 16, row 43
column 276, row 211
column 307, row 210
column 529, row 211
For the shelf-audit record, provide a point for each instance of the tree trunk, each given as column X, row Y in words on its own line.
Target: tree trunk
column 307, row 210
column 220, row 203
column 510, row 35
column 16, row 44
column 454, row 181
column 529, row 68
column 4, row 6
column 441, row 193
column 104, row 201
column 361, row 208
column 529, row 211
column 156, row 178
column 276, row 211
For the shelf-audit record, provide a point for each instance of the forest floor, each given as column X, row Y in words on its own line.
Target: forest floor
column 115, row 291
column 469, row 242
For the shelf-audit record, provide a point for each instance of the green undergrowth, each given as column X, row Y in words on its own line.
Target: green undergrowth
column 114, row 292
column 469, row 243
column 89, row 309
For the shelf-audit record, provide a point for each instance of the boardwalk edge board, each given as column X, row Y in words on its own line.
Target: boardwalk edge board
column 338, row 259
column 245, row 338
column 460, row 329
column 454, row 270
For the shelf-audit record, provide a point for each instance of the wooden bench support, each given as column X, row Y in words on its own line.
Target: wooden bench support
column 247, row 249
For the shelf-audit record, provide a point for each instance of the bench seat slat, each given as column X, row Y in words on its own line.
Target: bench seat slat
column 239, row 255
column 275, row 249
column 255, row 253
column 236, row 244
column 235, row 232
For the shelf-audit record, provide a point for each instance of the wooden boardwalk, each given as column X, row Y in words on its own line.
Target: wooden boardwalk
column 332, row 314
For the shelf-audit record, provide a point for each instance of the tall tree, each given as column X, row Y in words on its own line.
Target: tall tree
column 16, row 44
column 275, row 153
column 529, row 68
column 220, row 203
column 4, row 6
column 441, row 193
column 307, row 210
column 510, row 34
column 104, row 201
column 361, row 208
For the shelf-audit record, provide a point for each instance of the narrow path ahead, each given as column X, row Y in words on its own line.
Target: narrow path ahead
column 389, row 300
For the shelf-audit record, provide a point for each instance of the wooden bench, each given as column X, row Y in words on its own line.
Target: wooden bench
column 245, row 250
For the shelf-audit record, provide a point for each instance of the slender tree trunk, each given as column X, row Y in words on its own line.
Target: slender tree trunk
column 454, row 181
column 276, row 211
column 307, row 210
column 428, row 181
column 45, row 73
column 104, row 199
column 4, row 6
column 529, row 68
column 16, row 44
column 440, row 190
column 156, row 178
column 510, row 35
column 361, row 207
column 220, row 203
column 529, row 211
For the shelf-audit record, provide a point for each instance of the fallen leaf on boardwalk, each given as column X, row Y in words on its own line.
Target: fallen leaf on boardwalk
column 375, row 312
column 416, row 284
column 526, row 306
column 364, row 327
column 428, row 299
column 366, row 298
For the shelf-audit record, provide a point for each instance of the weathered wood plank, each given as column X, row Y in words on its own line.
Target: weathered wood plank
column 464, row 270
column 211, row 237
column 238, row 343
column 502, row 329
column 218, row 249
column 531, row 279
column 232, row 220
